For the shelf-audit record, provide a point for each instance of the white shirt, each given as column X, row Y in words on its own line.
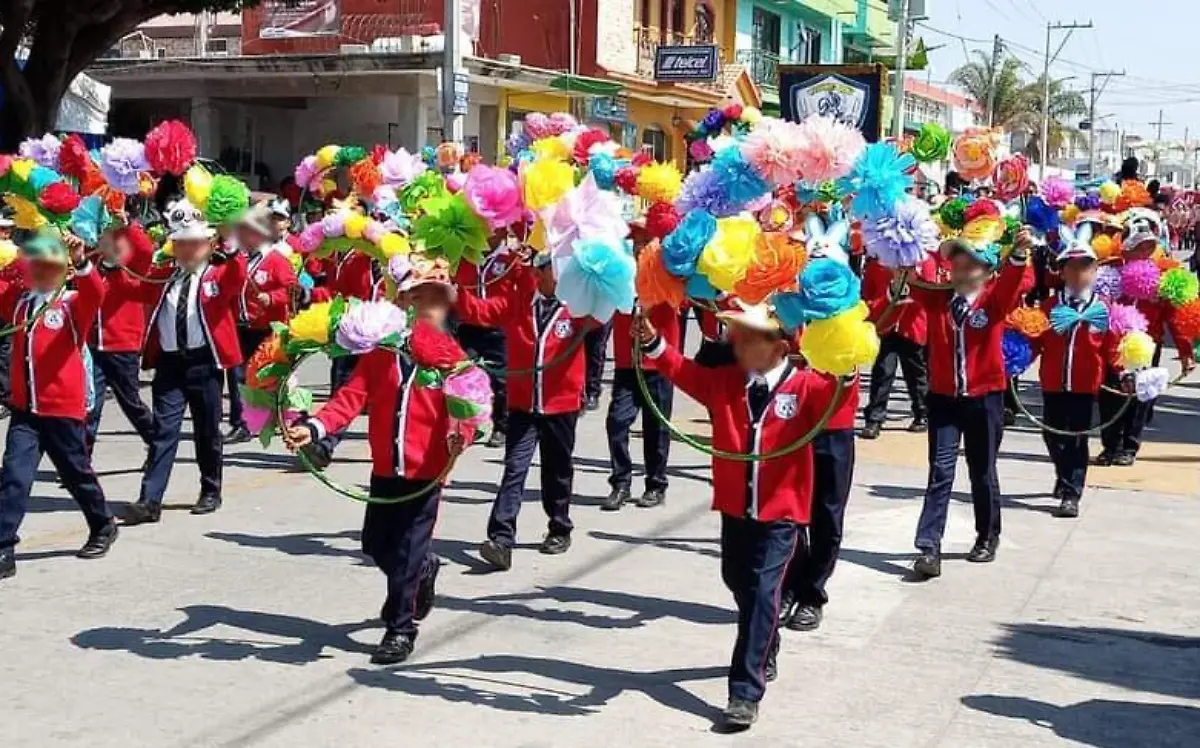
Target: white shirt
column 170, row 303
column 770, row 378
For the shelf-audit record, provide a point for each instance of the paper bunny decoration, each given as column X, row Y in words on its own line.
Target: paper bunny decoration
column 827, row 242
column 1075, row 243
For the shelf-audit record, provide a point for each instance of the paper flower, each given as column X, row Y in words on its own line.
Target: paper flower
column 326, row 156
column 393, row 245
column 702, row 190
column 1126, row 318
column 1133, row 195
column 1041, row 217
column 424, row 186
column 1150, row 383
column 122, row 161
column 842, row 343
column 654, row 284
column 545, row 181
column 931, row 145
column 197, row 184
column 682, row 247
column 1135, row 351
column 433, row 348
column 468, row 398
column 774, row 267
column 1108, row 281
column 25, row 213
column 903, row 239
column 399, row 168
column 365, row 177
column 728, row 255
column 495, row 196
column 1010, row 178
column 660, row 220
column 1178, row 286
column 826, row 149
column 827, row 288
column 626, row 179
column 581, row 150
column 1018, row 353
column 1186, row 319
column 1139, row 280
column 736, row 177
column 1031, row 322
column 258, row 371
column 585, row 212
column 659, row 183
column 953, row 214
column 1057, row 191
column 170, row 148
column 598, row 278
column 308, row 175
column 1105, row 248
column 365, row 325
column 604, row 169
column 773, row 150
column 399, row 267
column 880, row 178
column 312, row 324
column 700, row 151
column 8, row 253
column 974, row 156
column 1109, row 192
column 450, row 229
column 59, row 197
column 43, row 151
column 74, row 160
column 228, row 199
column 558, row 123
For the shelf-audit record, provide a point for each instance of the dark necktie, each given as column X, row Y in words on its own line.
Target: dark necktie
column 758, row 396
column 181, row 313
column 958, row 309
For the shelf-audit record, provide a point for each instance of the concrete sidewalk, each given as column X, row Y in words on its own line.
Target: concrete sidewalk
column 252, row 627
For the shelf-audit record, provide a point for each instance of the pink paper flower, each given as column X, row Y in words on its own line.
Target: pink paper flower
column 1126, row 318
column 587, row 212
column 1011, row 177
column 364, row 325
column 455, row 181
column 495, row 195
column 773, row 150
column 311, row 237
column 827, row 149
column 1057, row 191
column 308, row 174
column 468, row 398
column 560, row 122
column 537, row 126
column 257, row 417
column 401, row 167
column 1139, row 280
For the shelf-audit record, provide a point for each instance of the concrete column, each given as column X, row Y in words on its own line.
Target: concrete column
column 206, row 125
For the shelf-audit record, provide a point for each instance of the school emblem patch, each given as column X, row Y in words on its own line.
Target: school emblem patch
column 978, row 319
column 260, row 277
column 785, row 406
column 562, row 329
column 210, row 289
column 53, row 319
column 496, row 270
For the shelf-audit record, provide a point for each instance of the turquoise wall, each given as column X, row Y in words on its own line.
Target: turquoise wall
column 790, row 14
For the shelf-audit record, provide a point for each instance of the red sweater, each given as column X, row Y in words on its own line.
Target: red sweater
column 1077, row 360
column 121, row 324
column 771, row 490
column 906, row 320
column 407, row 423
column 47, row 376
column 968, row 361
column 558, row 388
column 269, row 273
column 665, row 321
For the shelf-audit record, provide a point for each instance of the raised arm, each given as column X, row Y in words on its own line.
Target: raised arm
column 349, row 400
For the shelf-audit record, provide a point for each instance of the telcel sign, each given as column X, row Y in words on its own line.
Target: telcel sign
column 686, row 63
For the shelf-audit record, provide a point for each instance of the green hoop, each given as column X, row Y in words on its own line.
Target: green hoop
column 538, row 368
column 1063, row 432
column 37, row 315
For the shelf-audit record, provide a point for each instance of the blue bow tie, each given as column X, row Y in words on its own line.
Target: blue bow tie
column 1063, row 317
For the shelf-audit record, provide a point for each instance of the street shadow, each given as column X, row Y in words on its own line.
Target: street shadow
column 641, row 609
column 512, row 683
column 702, row 546
column 452, row 494
column 1101, row 723
column 307, row 640
column 701, row 473
column 897, row 565
column 342, row 544
column 910, row 493
column 43, row 555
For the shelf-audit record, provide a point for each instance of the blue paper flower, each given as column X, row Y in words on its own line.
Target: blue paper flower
column 827, row 288
column 880, row 178
column 1041, row 217
column 698, row 287
column 1018, row 353
column 683, row 246
column 597, row 279
column 702, row 190
column 40, row 177
column 738, row 179
column 604, row 170
column 89, row 220
column 714, row 120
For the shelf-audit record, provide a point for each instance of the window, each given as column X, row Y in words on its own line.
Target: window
column 218, row 46
column 765, row 31
column 654, row 142
column 810, row 45
column 706, row 23
column 160, row 52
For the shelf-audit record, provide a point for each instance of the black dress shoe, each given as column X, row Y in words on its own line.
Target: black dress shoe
column 99, row 542
column 141, row 513
column 393, row 649
column 426, row 593
column 1124, row 459
column 615, row 500
column 318, row 455
column 739, row 715
column 238, row 435
column 555, row 545
column 499, row 556
column 1104, row 459
column 806, row 618
column 1010, row 418
column 919, row 425
column 207, row 505
column 8, row 563
column 592, row 402
column 1068, row 509
column 495, row 439
column 870, row 431
column 984, row 551
column 652, row 498
column 771, row 671
column 4, row 412
column 787, row 606
column 929, row 564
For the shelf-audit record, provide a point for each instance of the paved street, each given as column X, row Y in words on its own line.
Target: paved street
column 251, row 627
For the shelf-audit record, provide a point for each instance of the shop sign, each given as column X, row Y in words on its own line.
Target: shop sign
column 692, row 62
column 610, row 108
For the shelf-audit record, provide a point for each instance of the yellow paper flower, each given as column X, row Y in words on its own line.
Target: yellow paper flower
column 1136, row 351
column 984, row 230
column 312, row 324
column 8, row 253
column 1070, row 214
column 22, row 168
column 354, row 224
column 328, row 186
column 1109, row 192
column 841, row 344
column 393, row 245
column 327, row 155
column 25, row 214
column 729, row 253
column 751, row 115
column 197, row 184
column 554, row 148
column 168, row 248
column 537, row 236
column 659, row 183
column 545, row 182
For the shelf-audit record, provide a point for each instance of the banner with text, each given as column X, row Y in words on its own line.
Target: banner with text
column 293, row 19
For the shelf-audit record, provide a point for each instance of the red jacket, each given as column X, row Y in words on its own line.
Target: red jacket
column 771, row 490
column 665, row 321
column 498, row 269
column 1077, row 360
column 969, row 361
column 407, row 423
column 47, row 375
column 272, row 274
column 558, row 388
column 843, row 418
column 121, row 324
column 220, row 288
column 905, row 320
column 353, row 275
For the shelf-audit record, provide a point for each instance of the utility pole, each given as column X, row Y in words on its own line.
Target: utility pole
column 901, row 64
column 997, row 50
column 1095, row 94
column 1050, row 29
column 454, row 76
column 1158, row 123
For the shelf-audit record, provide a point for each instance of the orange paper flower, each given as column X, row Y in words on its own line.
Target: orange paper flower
column 365, row 177
column 1029, row 321
column 654, row 284
column 270, row 352
column 114, row 200
column 1167, row 263
column 1187, row 322
column 777, row 261
column 1133, row 195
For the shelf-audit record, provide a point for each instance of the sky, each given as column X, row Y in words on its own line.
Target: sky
column 1155, row 47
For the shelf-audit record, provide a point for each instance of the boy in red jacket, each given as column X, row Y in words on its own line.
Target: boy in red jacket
column 487, row 343
column 266, row 297
column 49, row 392
column 967, row 383
column 902, row 334
column 191, row 340
column 759, row 405
column 412, row 442
column 545, row 361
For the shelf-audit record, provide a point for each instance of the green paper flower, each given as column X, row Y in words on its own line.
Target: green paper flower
column 451, row 229
column 1178, row 286
column 953, row 214
column 932, row 144
column 227, row 201
column 427, row 185
column 1011, row 227
column 350, row 154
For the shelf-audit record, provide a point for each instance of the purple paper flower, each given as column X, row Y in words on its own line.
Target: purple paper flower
column 516, row 143
column 1108, row 282
column 308, row 174
column 903, row 239
column 365, row 325
column 702, row 190
column 401, row 168
column 1057, row 191
column 333, row 225
column 399, row 268
column 122, row 161
column 43, row 150
column 714, row 120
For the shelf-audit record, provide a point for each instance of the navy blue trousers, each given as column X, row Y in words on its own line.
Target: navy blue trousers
column 627, row 402
column 193, row 382
column 1069, row 411
column 596, row 343
column 488, row 344
column 833, row 475
column 399, row 539
column 895, row 350
column 65, row 441
column 754, row 560
column 977, row 422
column 554, row 437
column 1126, row 434
column 249, row 340
column 119, row 372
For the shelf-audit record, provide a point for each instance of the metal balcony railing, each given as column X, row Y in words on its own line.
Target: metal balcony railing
column 763, row 66
column 648, row 39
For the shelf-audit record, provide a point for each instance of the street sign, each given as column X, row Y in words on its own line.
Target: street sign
column 462, row 90
column 696, row 62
